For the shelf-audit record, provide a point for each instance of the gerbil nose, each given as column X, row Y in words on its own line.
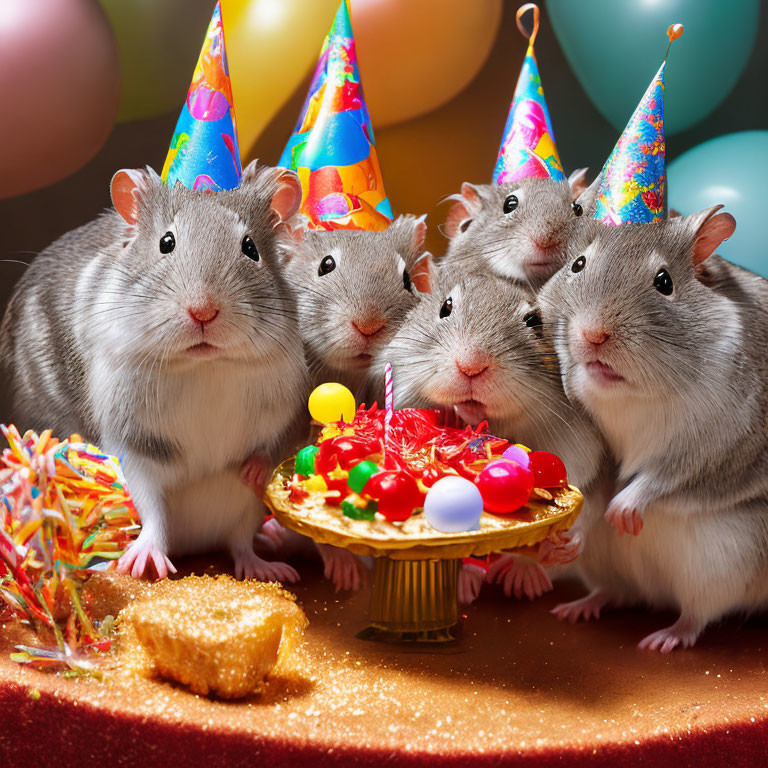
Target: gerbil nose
column 547, row 242
column 204, row 312
column 369, row 326
column 472, row 367
column 595, row 336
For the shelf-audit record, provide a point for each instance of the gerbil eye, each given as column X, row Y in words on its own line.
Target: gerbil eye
column 663, row 282
column 464, row 226
column 577, row 209
column 328, row 264
column 167, row 242
column 447, row 308
column 249, row 248
column 407, row 280
column 532, row 320
column 579, row 264
column 510, row 203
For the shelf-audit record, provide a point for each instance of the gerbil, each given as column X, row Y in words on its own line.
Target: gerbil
column 162, row 332
column 476, row 344
column 353, row 289
column 520, row 230
column 666, row 346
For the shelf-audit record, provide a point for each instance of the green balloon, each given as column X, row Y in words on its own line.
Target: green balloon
column 615, row 47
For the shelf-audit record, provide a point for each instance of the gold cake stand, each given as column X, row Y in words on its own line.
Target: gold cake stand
column 414, row 596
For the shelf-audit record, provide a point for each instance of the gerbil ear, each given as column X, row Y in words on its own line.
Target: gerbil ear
column 465, row 207
column 577, row 181
column 711, row 230
column 252, row 171
column 287, row 196
column 124, row 189
column 410, row 233
column 423, row 273
column 588, row 198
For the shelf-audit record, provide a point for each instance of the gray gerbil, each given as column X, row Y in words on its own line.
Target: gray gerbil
column 666, row 345
column 163, row 332
column 353, row 289
column 520, row 230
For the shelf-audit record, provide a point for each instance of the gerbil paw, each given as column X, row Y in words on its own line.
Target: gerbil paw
column 667, row 639
column 586, row 608
column 520, row 576
column 140, row 555
column 255, row 472
column 248, row 565
column 471, row 578
column 344, row 569
column 563, row 547
column 273, row 536
column 623, row 516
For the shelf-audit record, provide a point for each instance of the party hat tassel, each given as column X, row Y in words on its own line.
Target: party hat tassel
column 204, row 152
column 633, row 188
column 332, row 147
column 528, row 145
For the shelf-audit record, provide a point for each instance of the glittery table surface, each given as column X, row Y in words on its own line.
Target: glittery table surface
column 518, row 687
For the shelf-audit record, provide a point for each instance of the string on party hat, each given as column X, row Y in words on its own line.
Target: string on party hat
column 332, row 148
column 633, row 186
column 204, row 152
column 528, row 146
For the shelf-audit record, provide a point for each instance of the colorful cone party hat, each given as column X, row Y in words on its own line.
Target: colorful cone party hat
column 332, row 147
column 204, row 152
column 633, row 188
column 528, row 146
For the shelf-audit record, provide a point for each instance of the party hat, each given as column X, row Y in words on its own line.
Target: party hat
column 528, row 146
column 204, row 152
column 633, row 184
column 332, row 147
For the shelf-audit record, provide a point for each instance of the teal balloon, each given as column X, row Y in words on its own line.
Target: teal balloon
column 614, row 48
column 729, row 170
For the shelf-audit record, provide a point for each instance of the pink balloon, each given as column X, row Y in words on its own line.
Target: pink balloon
column 59, row 86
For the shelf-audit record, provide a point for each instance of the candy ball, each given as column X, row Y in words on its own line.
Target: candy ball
column 517, row 454
column 548, row 470
column 504, row 486
column 396, row 492
column 453, row 504
column 331, row 402
column 360, row 474
column 305, row 461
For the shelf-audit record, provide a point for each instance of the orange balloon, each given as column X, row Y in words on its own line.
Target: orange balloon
column 416, row 55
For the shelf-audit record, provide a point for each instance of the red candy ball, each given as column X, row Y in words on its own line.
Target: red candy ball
column 396, row 492
column 548, row 469
column 505, row 486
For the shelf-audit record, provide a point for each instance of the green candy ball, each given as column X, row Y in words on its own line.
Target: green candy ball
column 367, row 513
column 359, row 474
column 305, row 461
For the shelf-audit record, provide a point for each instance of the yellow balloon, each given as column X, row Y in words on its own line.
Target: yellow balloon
column 272, row 45
column 331, row 402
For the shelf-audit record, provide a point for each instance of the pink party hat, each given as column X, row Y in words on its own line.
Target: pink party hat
column 204, row 152
column 633, row 186
column 528, row 145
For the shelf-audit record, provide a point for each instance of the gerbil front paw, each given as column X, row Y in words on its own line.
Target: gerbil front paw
column 586, row 608
column 623, row 514
column 682, row 632
column 248, row 565
column 471, row 578
column 344, row 569
column 142, row 553
column 563, row 547
column 519, row 575
column 255, row 472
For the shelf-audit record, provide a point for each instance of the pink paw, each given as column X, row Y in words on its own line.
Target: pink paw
column 255, row 472
column 624, row 519
column 563, row 547
column 344, row 569
column 142, row 553
column 586, row 608
column 471, row 578
column 667, row 639
column 248, row 565
column 519, row 575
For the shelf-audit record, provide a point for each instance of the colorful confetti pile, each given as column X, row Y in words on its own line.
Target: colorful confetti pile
column 65, row 513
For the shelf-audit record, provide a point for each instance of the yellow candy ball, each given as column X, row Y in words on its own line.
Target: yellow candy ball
column 331, row 402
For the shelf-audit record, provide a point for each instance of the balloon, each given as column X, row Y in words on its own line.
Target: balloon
column 453, row 504
column 615, row 46
column 729, row 170
column 60, row 84
column 272, row 46
column 416, row 55
column 158, row 43
column 331, row 402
